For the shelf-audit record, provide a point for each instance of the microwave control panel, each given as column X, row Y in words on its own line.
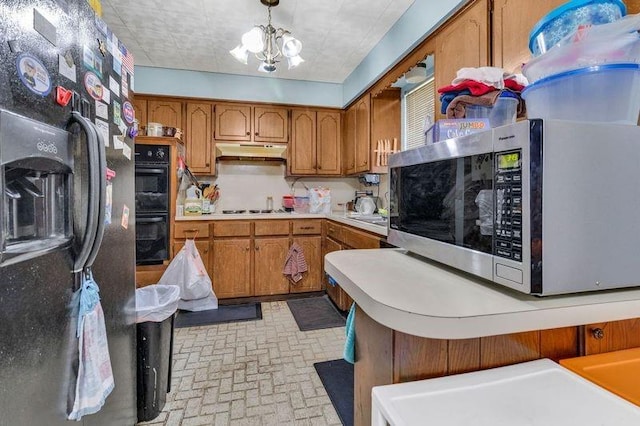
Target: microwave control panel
column 507, row 241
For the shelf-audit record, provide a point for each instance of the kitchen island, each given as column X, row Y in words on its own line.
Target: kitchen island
column 417, row 320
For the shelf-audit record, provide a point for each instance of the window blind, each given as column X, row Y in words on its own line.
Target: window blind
column 418, row 103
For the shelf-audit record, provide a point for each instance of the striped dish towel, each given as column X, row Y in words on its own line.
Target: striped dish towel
column 295, row 264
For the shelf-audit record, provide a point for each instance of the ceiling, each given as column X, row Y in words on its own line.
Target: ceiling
column 198, row 34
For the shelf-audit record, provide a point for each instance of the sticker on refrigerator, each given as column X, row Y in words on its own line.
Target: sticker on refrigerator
column 108, row 203
column 125, row 217
column 118, row 141
column 92, row 61
column 93, row 85
column 102, row 26
column 106, row 95
column 102, row 110
column 128, row 112
column 116, row 112
column 126, row 151
column 33, row 74
column 67, row 67
column 117, row 64
column 125, row 86
column 114, row 86
column 103, row 128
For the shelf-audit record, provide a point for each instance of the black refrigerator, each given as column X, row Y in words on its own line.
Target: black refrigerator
column 67, row 206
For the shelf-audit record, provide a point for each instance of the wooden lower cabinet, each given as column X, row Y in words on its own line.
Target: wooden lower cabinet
column 312, row 280
column 231, row 272
column 385, row 356
column 269, row 257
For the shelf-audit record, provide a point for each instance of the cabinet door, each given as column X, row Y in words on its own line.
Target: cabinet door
column 328, row 143
column 271, row 124
column 203, row 249
column 167, row 113
column 233, row 122
column 311, row 280
column 462, row 43
column 363, row 134
column 270, row 255
column 198, row 137
column 140, row 108
column 332, row 290
column 349, row 146
column 512, row 22
column 232, row 268
column 303, row 142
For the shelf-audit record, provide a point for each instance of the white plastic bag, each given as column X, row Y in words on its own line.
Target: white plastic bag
column 187, row 271
column 156, row 303
column 320, row 200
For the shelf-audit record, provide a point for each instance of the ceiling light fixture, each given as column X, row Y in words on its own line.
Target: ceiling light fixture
column 417, row 74
column 268, row 44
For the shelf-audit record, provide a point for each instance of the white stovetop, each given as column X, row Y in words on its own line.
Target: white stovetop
column 420, row 298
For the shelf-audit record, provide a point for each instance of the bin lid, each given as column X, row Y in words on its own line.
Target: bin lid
column 618, row 371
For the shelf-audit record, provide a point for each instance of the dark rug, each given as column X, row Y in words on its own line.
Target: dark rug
column 314, row 313
column 224, row 313
column 337, row 379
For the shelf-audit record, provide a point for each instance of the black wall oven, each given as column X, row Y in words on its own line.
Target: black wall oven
column 152, row 204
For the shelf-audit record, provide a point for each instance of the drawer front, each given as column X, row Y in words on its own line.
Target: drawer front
column 271, row 227
column 334, row 231
column 359, row 240
column 307, row 227
column 191, row 230
column 232, row 229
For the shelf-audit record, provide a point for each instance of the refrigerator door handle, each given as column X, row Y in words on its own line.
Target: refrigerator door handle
column 102, row 199
column 93, row 185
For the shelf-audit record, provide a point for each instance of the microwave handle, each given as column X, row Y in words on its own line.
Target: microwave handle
column 92, row 153
column 101, row 172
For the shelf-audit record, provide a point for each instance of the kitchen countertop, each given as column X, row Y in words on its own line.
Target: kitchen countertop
column 338, row 217
column 421, row 298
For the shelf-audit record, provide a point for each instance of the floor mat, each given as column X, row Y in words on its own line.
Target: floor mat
column 224, row 313
column 314, row 313
column 337, row 379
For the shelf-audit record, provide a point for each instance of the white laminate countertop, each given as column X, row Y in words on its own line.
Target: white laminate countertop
column 421, row 298
column 338, row 217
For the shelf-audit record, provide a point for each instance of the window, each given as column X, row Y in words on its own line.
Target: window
column 419, row 103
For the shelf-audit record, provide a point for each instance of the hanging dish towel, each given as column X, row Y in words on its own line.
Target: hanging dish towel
column 95, row 377
column 295, row 264
column 349, row 353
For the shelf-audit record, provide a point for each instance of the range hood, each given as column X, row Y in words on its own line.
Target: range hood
column 256, row 152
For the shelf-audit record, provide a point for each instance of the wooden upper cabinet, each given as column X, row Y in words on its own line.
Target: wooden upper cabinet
column 199, row 138
column 349, row 145
column 328, row 142
column 167, row 113
column 363, row 134
column 464, row 42
column 233, row 122
column 303, row 142
column 140, row 107
column 512, row 23
column 271, row 124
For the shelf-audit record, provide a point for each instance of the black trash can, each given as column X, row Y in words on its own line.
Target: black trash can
column 154, row 347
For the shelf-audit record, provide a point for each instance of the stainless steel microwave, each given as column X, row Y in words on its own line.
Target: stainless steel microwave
column 543, row 207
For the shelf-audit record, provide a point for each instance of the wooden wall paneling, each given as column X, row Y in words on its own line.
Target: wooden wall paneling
column 512, row 21
column 616, row 335
column 374, row 363
column 464, row 356
column 329, row 142
column 462, row 42
column 417, row 358
column 497, row 351
column 559, row 343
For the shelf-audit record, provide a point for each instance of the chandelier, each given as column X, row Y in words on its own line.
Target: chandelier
column 268, row 44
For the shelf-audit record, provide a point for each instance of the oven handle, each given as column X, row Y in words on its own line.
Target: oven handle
column 143, row 170
column 102, row 200
column 93, row 184
column 150, row 219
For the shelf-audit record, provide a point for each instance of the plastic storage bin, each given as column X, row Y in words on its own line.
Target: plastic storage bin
column 155, row 310
column 503, row 112
column 567, row 18
column 618, row 371
column 607, row 93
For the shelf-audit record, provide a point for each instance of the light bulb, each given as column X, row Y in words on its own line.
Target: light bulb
column 291, row 46
column 253, row 40
column 294, row 61
column 240, row 53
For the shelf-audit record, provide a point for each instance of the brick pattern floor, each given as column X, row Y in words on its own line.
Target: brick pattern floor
column 251, row 373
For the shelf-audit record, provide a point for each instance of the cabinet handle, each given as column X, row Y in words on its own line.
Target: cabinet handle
column 319, row 167
column 257, row 248
column 246, row 249
column 248, row 133
column 597, row 333
column 257, row 134
column 206, row 164
column 307, row 227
